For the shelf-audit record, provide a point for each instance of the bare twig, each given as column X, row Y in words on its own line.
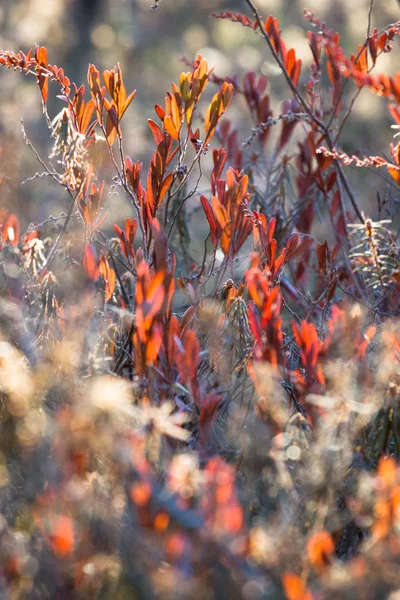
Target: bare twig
column 59, row 237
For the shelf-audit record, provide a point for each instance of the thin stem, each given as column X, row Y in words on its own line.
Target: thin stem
column 122, row 179
column 371, row 8
column 60, row 236
column 123, row 291
column 189, row 195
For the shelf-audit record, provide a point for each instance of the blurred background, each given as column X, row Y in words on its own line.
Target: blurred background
column 150, row 43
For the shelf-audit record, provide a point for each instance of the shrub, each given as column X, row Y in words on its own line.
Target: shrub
column 175, row 424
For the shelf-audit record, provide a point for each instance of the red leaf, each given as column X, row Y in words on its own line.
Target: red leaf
column 164, row 187
column 43, row 80
column 320, row 547
column 291, row 246
column 295, row 588
column 90, row 263
column 211, row 220
column 160, row 111
column 62, row 536
column 108, row 275
column 156, row 131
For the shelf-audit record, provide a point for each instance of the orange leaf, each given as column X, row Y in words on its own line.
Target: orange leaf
column 127, row 102
column 213, row 110
column 161, row 522
column 170, row 127
column 160, row 112
column 295, row 73
column 295, row 588
column 86, row 115
column 89, row 263
column 165, row 186
column 362, row 61
column 290, row 60
column 226, row 93
column 175, row 115
column 153, row 345
column 62, row 537
column 320, row 547
column 387, row 470
column 395, row 173
column 108, row 275
column 233, row 518
column 211, row 220
column 220, row 212
column 141, row 493
column 43, row 81
column 108, row 77
column 94, row 80
column 156, row 131
column 111, row 123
